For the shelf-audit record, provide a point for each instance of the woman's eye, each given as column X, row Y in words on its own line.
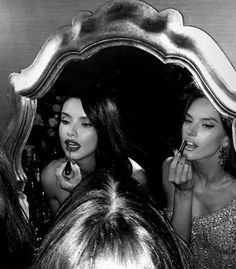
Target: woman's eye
column 209, row 126
column 86, row 124
column 65, row 122
column 186, row 121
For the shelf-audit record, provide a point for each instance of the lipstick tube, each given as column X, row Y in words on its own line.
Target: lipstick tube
column 68, row 168
column 181, row 149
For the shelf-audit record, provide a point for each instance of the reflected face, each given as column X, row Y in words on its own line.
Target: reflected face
column 77, row 135
column 203, row 130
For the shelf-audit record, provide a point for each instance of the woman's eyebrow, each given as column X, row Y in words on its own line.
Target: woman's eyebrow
column 65, row 114
column 83, row 118
column 213, row 119
column 206, row 118
column 188, row 115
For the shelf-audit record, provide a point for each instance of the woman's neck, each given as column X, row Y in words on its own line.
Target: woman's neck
column 87, row 166
column 208, row 172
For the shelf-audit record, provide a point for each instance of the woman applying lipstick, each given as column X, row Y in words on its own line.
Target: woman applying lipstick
column 200, row 185
column 91, row 139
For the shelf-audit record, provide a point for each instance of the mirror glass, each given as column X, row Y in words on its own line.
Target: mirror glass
column 148, row 95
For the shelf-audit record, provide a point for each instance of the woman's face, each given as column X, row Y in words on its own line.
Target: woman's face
column 77, row 134
column 203, row 130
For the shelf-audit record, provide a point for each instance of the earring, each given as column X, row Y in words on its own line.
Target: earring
column 223, row 155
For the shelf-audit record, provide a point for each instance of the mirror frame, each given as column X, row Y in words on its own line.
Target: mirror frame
column 131, row 23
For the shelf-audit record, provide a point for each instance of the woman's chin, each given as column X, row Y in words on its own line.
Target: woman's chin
column 189, row 156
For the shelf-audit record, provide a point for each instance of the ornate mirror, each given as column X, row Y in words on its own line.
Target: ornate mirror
column 147, row 56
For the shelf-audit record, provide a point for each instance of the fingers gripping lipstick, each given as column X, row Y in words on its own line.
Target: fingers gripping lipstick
column 181, row 149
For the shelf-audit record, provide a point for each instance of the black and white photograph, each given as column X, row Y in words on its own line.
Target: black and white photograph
column 117, row 134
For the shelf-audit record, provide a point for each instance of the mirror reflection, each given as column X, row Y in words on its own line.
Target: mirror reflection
column 106, row 93
column 147, row 93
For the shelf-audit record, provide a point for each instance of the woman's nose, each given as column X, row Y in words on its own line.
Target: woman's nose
column 72, row 130
column 192, row 130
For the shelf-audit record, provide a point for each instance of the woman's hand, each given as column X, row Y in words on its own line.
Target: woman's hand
column 180, row 173
column 68, row 182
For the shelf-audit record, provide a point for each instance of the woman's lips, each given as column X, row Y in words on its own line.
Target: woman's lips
column 72, row 145
column 190, row 146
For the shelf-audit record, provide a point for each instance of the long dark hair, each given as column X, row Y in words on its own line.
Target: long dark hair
column 16, row 248
column 102, row 110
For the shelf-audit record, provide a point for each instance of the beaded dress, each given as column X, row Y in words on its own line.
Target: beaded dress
column 213, row 238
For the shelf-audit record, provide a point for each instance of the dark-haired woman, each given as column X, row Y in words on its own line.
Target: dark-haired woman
column 91, row 138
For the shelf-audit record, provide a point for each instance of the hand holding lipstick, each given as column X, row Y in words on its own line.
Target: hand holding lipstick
column 180, row 171
column 68, row 175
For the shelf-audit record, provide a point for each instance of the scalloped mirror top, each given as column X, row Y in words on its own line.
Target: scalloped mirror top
column 119, row 23
column 134, row 23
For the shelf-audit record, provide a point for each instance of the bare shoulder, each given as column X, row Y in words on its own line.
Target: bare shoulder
column 140, row 176
column 233, row 188
column 49, row 169
column 48, row 178
column 138, row 172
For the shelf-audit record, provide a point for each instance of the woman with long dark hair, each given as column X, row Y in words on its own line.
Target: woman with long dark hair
column 91, row 138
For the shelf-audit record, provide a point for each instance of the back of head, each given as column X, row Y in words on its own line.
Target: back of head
column 111, row 224
column 16, row 249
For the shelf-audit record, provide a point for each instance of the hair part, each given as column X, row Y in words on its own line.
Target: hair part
column 111, row 224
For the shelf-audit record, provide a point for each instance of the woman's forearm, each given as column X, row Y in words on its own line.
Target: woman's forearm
column 182, row 213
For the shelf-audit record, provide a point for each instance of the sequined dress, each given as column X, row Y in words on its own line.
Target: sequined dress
column 213, row 239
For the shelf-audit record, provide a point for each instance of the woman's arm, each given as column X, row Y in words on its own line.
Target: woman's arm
column 178, row 186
